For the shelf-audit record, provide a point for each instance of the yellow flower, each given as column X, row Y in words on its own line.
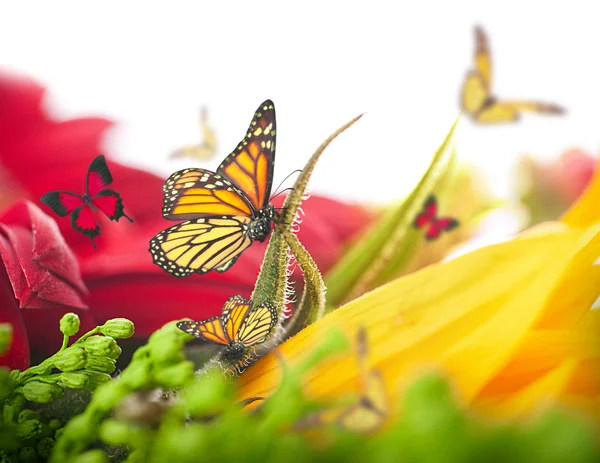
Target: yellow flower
column 511, row 325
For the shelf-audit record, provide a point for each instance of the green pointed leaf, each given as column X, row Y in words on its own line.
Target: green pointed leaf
column 389, row 243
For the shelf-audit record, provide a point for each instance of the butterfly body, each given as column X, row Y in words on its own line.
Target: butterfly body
column 225, row 211
column 477, row 99
column 97, row 198
column 240, row 327
column 433, row 225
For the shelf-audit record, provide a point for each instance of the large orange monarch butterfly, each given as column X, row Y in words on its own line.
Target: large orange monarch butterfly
column 204, row 150
column 223, row 211
column 239, row 327
column 477, row 99
column 96, row 198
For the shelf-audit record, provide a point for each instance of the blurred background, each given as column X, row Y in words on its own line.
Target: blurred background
column 151, row 67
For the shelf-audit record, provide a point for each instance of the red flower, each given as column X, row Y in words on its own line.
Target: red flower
column 40, row 155
column 39, row 272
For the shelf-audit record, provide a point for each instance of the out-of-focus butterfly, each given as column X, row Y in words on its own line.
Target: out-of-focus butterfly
column 429, row 221
column 370, row 411
column 224, row 212
column 204, row 150
column 239, row 327
column 96, row 198
column 477, row 99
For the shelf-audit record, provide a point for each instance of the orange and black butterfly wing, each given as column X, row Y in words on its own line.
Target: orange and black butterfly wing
column 209, row 330
column 62, row 202
column 250, row 166
column 246, row 324
column 196, row 193
column 201, row 245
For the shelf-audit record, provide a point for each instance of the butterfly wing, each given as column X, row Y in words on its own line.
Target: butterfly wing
column 209, row 330
column 62, row 202
column 200, row 245
column 250, row 165
column 235, row 310
column 428, row 214
column 110, row 202
column 482, row 58
column 196, row 193
column 371, row 411
column 83, row 220
column 474, row 94
column 534, row 106
column 257, row 325
column 440, row 225
column 98, row 176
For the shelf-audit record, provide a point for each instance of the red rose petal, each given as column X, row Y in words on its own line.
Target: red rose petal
column 17, row 356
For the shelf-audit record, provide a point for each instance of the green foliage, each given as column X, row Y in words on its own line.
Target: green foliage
column 27, row 434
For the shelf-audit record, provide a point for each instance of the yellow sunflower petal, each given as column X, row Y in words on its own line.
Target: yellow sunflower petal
column 469, row 316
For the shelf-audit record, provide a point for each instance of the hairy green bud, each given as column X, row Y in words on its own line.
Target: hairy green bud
column 69, row 324
column 36, row 391
column 44, row 447
column 29, row 429
column 71, row 359
column 28, row 455
column 119, row 328
column 74, row 380
column 99, row 345
column 28, row 415
column 101, row 364
column 95, row 379
column 5, row 337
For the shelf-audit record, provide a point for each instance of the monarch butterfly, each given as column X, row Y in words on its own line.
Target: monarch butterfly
column 239, row 327
column 223, row 211
column 477, row 99
column 428, row 219
column 204, row 150
column 371, row 409
column 96, row 198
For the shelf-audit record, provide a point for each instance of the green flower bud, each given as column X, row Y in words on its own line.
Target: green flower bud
column 74, row 380
column 91, row 456
column 8, row 457
column 29, row 429
column 136, row 375
column 101, row 364
column 28, row 455
column 176, row 375
column 69, row 324
column 44, row 447
column 95, row 379
column 116, row 352
column 5, row 337
column 71, row 359
column 119, row 328
column 54, row 424
column 36, row 391
column 12, row 408
column 6, row 383
column 14, row 375
column 28, row 415
column 99, row 345
column 59, row 432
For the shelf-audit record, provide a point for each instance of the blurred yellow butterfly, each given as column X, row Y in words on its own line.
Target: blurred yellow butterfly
column 365, row 415
column 204, row 150
column 477, row 99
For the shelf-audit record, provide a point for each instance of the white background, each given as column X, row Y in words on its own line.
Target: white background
column 150, row 66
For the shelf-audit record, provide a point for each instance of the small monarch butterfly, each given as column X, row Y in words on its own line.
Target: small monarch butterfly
column 239, row 327
column 204, row 150
column 477, row 99
column 370, row 411
column 428, row 219
column 224, row 212
column 96, row 198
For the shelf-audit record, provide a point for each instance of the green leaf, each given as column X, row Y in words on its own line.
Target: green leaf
column 5, row 337
column 390, row 242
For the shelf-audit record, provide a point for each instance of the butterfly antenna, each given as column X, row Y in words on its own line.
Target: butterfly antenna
column 280, row 193
column 282, row 182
